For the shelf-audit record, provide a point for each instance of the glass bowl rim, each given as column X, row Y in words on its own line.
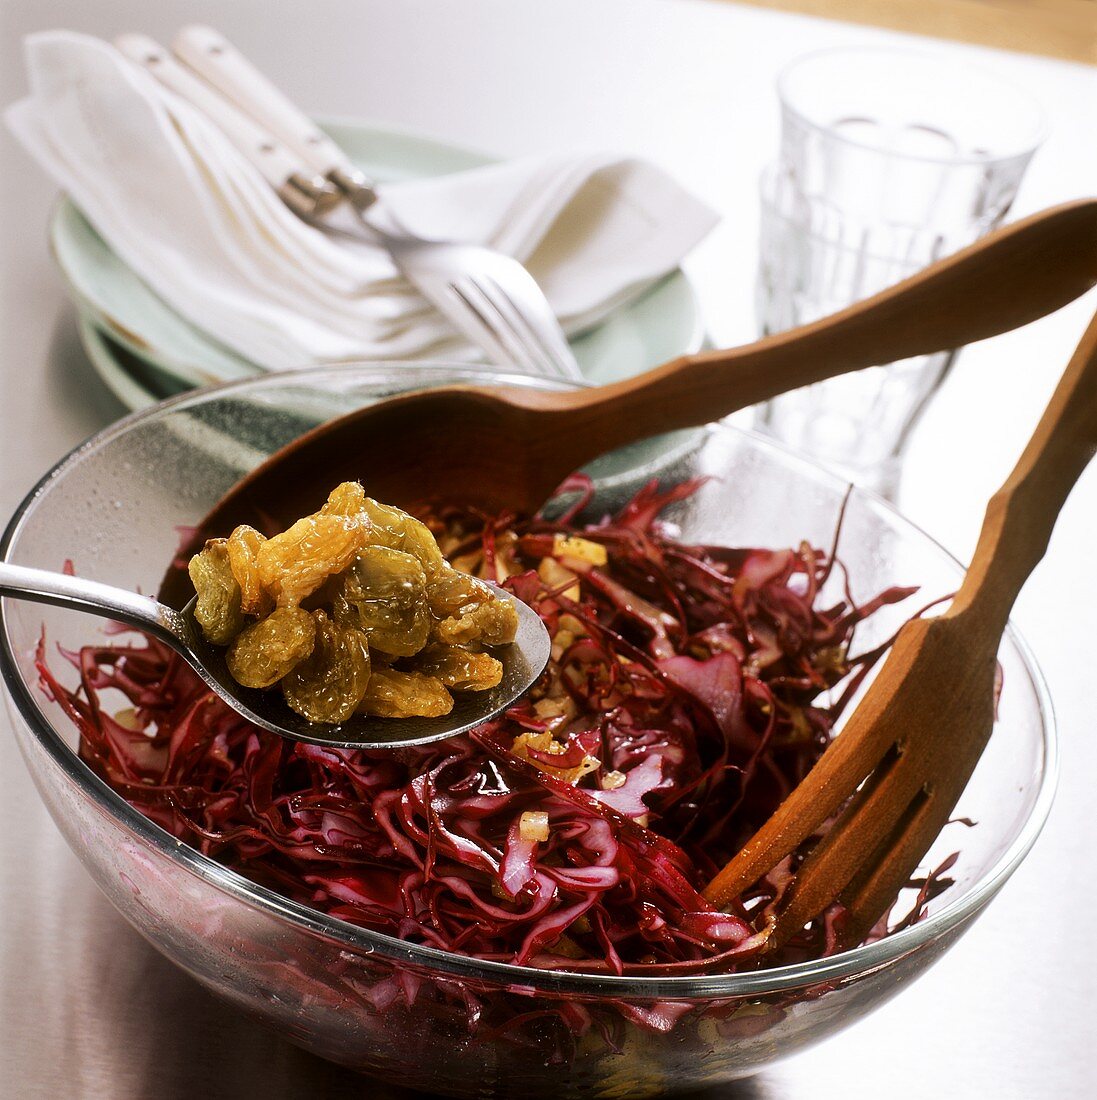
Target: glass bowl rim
column 525, row 978
column 989, row 76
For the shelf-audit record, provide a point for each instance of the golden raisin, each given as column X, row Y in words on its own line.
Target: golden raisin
column 295, row 563
column 263, row 653
column 217, row 608
column 243, row 550
column 449, row 591
column 459, row 669
column 386, row 591
column 347, row 499
column 394, row 694
column 399, row 531
column 329, row 684
column 494, row 623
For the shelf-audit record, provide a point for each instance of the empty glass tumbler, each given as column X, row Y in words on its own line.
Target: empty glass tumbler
column 888, row 161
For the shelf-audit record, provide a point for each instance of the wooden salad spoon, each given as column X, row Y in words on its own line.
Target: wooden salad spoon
column 894, row 774
column 509, row 447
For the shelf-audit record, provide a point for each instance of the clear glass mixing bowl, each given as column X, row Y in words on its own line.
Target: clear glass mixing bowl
column 417, row 1016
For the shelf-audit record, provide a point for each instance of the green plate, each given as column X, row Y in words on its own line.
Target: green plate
column 150, row 352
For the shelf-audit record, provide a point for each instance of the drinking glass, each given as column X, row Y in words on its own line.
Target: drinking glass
column 888, row 161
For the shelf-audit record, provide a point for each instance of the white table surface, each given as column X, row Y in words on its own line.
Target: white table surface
column 87, row 1010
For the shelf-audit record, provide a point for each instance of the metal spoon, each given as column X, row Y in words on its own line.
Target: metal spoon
column 523, row 661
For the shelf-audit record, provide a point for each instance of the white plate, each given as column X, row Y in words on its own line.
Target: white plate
column 167, row 354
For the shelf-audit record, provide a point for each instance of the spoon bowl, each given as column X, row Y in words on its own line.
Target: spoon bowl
column 523, row 662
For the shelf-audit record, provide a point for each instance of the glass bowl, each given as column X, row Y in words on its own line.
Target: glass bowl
column 418, row 1016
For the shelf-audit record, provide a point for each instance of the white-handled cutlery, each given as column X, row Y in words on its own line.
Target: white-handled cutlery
column 489, row 297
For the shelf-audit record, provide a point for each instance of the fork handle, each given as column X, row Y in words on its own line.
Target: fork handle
column 1005, row 280
column 297, row 185
column 217, row 61
column 1021, row 515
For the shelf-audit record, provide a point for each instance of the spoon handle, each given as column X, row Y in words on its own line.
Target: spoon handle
column 1005, row 280
column 1020, row 516
column 79, row 594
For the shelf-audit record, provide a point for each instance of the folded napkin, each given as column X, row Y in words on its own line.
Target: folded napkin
column 174, row 199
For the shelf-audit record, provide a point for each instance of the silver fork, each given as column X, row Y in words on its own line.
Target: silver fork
column 489, row 298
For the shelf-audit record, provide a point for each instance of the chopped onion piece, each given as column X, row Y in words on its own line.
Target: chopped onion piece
column 559, row 578
column 572, row 546
column 534, row 825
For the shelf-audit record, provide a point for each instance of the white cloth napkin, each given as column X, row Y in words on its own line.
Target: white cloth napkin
column 197, row 222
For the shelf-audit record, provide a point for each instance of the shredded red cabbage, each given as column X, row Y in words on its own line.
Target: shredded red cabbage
column 689, row 691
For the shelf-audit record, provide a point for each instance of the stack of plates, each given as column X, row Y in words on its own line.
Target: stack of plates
column 144, row 351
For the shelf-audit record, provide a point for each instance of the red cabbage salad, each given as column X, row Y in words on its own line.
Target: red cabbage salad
column 690, row 689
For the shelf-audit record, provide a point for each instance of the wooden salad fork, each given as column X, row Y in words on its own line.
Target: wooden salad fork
column 509, row 447
column 894, row 774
